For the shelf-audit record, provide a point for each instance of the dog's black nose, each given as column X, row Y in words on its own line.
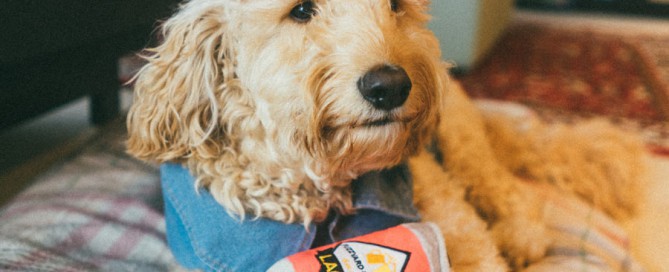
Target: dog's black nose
column 385, row 86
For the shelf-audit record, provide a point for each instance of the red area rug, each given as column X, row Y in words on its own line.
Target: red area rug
column 567, row 73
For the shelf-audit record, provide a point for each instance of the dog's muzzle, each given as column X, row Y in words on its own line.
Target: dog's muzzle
column 386, row 87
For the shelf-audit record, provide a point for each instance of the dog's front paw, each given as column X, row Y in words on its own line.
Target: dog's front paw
column 521, row 241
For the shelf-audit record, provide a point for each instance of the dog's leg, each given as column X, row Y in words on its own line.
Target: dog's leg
column 515, row 215
column 441, row 201
column 598, row 162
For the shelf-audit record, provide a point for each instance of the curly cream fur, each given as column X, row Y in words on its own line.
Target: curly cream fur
column 270, row 122
column 492, row 156
column 265, row 113
column 592, row 159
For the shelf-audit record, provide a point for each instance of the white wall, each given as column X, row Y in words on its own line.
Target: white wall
column 467, row 29
column 454, row 22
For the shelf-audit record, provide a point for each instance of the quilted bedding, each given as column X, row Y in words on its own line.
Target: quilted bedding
column 97, row 211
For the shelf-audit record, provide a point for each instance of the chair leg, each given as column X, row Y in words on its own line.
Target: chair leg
column 105, row 102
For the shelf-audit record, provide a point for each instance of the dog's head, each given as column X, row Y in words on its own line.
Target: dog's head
column 277, row 105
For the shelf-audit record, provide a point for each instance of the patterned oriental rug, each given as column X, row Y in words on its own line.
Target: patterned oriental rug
column 568, row 73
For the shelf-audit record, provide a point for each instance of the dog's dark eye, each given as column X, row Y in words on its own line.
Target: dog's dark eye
column 303, row 12
column 394, row 5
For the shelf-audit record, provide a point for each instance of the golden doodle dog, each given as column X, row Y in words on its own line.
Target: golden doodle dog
column 276, row 106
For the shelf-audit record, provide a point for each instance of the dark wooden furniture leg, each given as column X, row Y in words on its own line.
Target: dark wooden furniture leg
column 104, row 101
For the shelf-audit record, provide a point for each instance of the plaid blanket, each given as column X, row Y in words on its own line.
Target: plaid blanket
column 98, row 211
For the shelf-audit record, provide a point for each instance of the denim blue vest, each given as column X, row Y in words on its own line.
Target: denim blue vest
column 203, row 236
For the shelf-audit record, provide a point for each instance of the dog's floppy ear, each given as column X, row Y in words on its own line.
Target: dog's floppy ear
column 176, row 103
